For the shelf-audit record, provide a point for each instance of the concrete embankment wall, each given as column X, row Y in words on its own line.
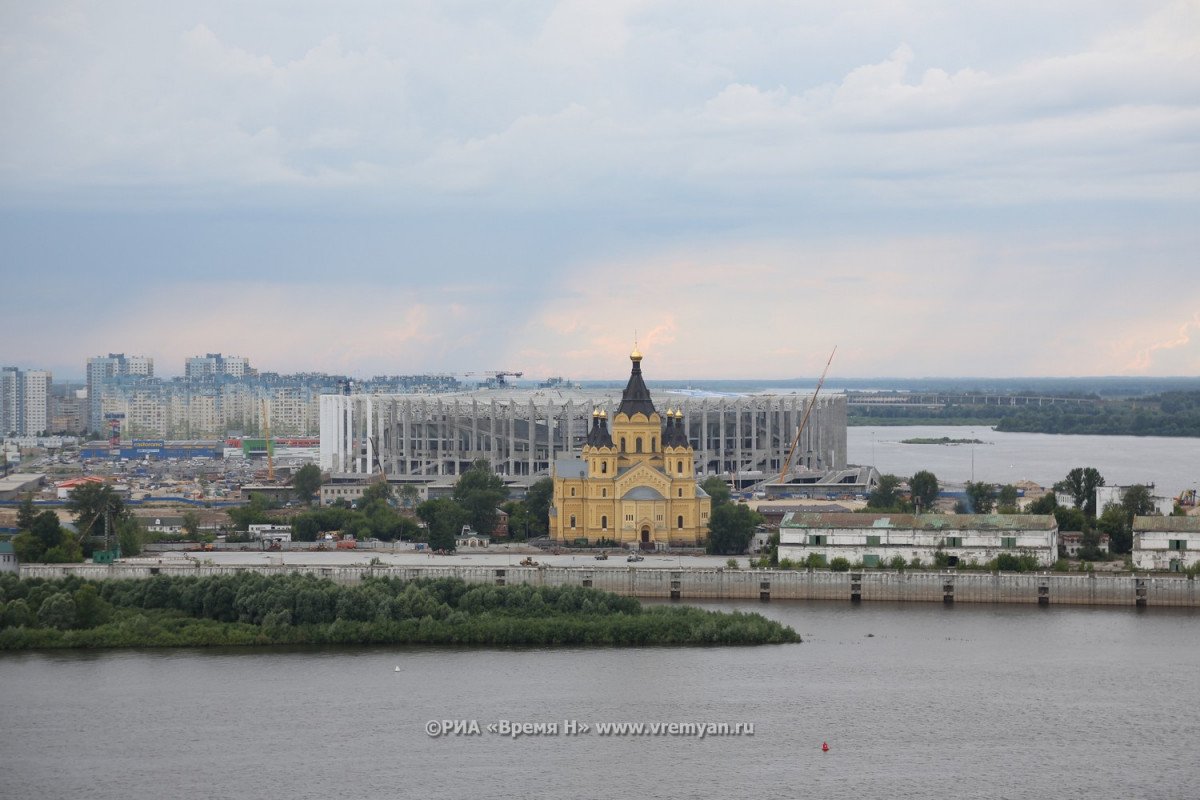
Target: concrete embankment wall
column 724, row 584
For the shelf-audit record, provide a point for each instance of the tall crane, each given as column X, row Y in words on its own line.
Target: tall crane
column 267, row 434
column 812, row 401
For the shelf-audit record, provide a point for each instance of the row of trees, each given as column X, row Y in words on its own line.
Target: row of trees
column 388, row 515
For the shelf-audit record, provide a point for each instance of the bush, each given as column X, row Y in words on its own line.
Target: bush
column 731, row 563
column 897, row 563
column 839, row 564
column 58, row 611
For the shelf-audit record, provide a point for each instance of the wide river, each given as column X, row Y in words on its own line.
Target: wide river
column 915, row 701
column 1171, row 463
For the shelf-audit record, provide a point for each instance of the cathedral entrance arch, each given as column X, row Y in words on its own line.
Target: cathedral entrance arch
column 646, row 544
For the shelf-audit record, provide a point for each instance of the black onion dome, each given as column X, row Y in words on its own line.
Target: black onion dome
column 636, row 397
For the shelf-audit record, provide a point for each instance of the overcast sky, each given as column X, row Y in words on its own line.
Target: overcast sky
column 939, row 188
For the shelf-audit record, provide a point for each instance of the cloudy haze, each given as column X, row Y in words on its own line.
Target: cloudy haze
column 1004, row 188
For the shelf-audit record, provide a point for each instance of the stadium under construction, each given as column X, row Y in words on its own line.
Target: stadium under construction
column 743, row 438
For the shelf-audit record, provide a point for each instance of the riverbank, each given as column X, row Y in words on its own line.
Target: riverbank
column 709, row 583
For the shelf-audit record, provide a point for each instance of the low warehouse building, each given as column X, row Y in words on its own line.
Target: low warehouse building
column 874, row 539
column 1166, row 543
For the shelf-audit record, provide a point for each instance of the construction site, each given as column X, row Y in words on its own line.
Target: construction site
column 745, row 439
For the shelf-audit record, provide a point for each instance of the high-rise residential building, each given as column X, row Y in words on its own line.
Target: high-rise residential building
column 24, row 401
column 214, row 365
column 103, row 370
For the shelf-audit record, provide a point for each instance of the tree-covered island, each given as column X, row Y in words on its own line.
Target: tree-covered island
column 254, row 609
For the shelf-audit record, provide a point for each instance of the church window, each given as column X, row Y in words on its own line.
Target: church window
column 681, row 491
column 622, row 444
column 679, row 467
column 679, row 521
column 653, row 443
column 603, row 467
column 639, row 444
column 604, row 492
column 604, row 523
column 572, row 491
column 572, row 520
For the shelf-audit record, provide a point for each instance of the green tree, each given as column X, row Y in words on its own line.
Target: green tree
column 57, row 611
column 480, row 491
column 981, row 497
column 90, row 608
column 886, row 495
column 253, row 513
column 925, row 489
column 1006, row 499
column 409, row 494
column 1138, row 502
column 731, row 527
column 131, row 536
column 718, row 490
column 1081, row 484
column 537, row 502
column 1115, row 521
column 378, row 493
column 1046, row 504
column 307, row 482
column 25, row 513
column 92, row 504
column 18, row 614
column 1069, row 518
column 46, row 541
column 444, row 519
column 191, row 524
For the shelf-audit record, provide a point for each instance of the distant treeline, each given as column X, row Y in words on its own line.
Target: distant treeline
column 254, row 609
column 1167, row 414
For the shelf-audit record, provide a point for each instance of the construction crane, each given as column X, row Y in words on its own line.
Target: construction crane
column 812, row 401
column 270, row 455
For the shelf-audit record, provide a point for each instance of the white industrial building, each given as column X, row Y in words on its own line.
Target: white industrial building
column 1115, row 495
column 1169, row 544
column 522, row 431
column 874, row 539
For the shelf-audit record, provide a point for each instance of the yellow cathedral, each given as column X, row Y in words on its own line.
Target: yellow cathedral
column 635, row 485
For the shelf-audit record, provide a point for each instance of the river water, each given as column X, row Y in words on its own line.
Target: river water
column 1171, row 463
column 915, row 701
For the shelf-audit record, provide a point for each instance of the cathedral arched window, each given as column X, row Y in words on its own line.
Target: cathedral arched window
column 653, row 443
column 622, row 444
column 679, row 467
column 679, row 521
column 604, row 523
column 572, row 520
column 639, row 444
column 603, row 467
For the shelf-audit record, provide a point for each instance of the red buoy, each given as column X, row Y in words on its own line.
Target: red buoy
column 824, row 747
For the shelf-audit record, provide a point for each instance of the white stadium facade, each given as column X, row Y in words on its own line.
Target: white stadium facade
column 522, row 431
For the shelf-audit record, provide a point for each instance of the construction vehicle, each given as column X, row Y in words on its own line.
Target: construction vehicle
column 812, row 401
column 1186, row 499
